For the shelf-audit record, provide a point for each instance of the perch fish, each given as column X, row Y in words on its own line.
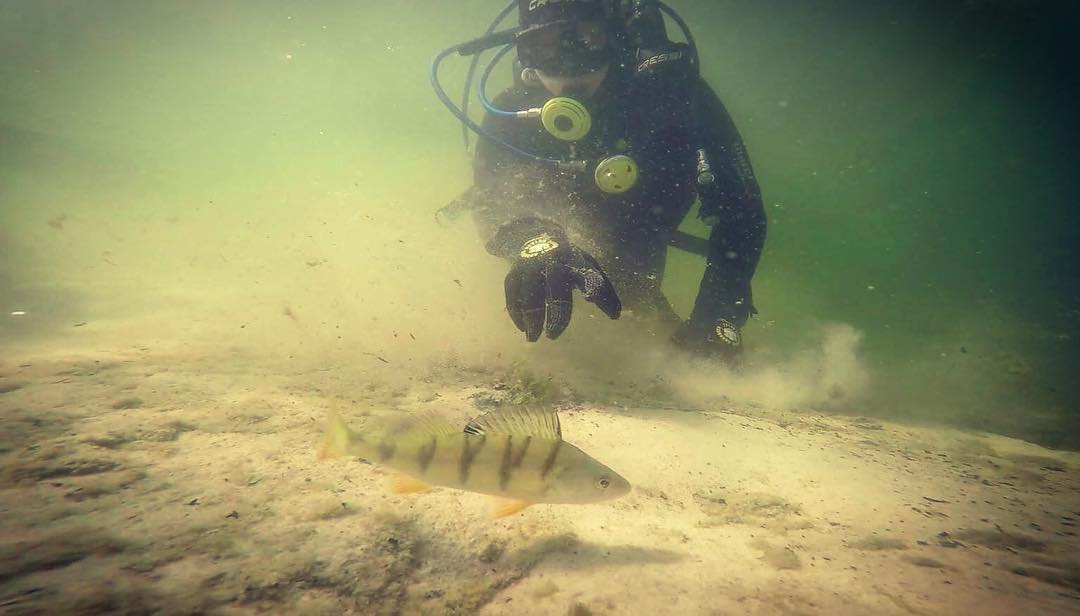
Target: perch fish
column 517, row 454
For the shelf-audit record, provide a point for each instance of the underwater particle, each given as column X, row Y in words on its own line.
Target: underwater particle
column 871, row 287
column 18, row 313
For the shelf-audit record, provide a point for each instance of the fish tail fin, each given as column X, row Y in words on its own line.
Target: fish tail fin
column 339, row 437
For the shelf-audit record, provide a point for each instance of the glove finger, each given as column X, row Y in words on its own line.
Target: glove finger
column 512, row 288
column 596, row 285
column 533, row 292
column 560, row 287
column 599, row 290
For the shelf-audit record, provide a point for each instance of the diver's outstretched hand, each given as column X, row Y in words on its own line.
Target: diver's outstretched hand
column 539, row 287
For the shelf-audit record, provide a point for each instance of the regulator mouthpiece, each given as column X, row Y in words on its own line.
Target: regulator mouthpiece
column 566, row 119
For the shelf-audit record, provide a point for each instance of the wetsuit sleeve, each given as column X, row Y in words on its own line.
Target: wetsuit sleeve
column 509, row 200
column 732, row 206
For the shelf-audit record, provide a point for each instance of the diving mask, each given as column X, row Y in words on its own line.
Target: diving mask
column 565, row 48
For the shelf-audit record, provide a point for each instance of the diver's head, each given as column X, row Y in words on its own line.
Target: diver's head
column 568, row 43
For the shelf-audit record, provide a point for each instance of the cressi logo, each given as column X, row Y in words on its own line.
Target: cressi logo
column 659, row 59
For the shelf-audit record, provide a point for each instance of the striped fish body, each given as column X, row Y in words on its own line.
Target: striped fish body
column 493, row 457
column 517, row 466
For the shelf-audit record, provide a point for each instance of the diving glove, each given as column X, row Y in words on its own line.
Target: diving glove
column 721, row 340
column 539, row 287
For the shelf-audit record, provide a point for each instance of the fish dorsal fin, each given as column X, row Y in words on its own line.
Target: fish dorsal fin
column 533, row 421
column 425, row 423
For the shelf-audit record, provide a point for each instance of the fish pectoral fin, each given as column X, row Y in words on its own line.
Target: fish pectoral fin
column 505, row 507
column 325, row 453
column 403, row 484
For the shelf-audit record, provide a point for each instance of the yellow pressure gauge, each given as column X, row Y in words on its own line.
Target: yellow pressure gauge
column 616, row 174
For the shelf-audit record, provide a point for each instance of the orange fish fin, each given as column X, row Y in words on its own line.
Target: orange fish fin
column 325, row 454
column 504, row 507
column 403, row 484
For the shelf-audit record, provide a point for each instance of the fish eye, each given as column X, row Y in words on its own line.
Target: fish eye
column 603, row 482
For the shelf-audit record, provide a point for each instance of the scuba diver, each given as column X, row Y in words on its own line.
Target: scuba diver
column 589, row 162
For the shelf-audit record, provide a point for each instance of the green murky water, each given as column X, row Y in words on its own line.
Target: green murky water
column 917, row 162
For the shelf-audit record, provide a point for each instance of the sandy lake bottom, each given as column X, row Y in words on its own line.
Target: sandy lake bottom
column 152, row 482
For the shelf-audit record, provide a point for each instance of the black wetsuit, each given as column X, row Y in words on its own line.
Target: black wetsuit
column 629, row 233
